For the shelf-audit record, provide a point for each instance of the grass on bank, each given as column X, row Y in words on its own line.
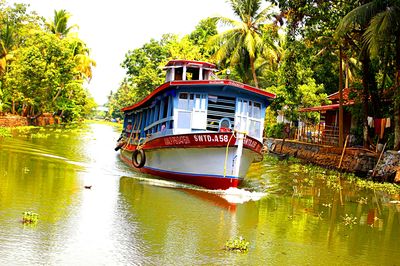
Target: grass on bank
column 62, row 130
column 312, row 173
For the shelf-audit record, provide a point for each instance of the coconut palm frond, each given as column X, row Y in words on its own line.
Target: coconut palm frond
column 360, row 15
column 227, row 22
column 264, row 15
column 376, row 33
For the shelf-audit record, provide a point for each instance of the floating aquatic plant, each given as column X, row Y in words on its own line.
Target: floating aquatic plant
column 40, row 136
column 362, row 200
column 30, row 217
column 238, row 244
column 5, row 132
column 349, row 220
column 328, row 205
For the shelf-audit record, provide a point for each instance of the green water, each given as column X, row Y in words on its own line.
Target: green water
column 291, row 214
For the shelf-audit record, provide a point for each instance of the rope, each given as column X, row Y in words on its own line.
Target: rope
column 227, row 150
column 140, row 123
column 130, row 135
column 139, row 146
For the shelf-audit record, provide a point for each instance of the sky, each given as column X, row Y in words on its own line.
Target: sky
column 112, row 28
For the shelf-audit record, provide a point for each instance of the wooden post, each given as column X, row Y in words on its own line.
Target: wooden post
column 340, row 165
column 343, row 151
column 380, row 157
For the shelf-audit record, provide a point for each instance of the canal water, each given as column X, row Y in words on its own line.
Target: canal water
column 290, row 213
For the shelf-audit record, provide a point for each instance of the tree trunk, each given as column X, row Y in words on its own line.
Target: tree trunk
column 341, row 131
column 253, row 71
column 396, row 105
column 397, row 127
column 13, row 107
column 365, row 96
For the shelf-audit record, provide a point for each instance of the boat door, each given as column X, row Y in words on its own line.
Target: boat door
column 199, row 114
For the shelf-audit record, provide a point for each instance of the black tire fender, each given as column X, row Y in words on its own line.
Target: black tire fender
column 138, row 158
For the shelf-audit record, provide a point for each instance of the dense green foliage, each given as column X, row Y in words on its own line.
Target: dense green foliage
column 294, row 49
column 43, row 66
column 258, row 54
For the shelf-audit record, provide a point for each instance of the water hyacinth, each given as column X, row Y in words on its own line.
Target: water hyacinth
column 5, row 132
column 30, row 217
column 238, row 244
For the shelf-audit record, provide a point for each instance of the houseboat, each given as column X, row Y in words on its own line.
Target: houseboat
column 196, row 128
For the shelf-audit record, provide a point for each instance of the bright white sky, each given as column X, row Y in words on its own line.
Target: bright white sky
column 111, row 28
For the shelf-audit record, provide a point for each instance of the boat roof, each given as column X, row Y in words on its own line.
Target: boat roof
column 180, row 62
column 223, row 82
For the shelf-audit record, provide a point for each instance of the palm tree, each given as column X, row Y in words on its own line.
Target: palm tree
column 82, row 59
column 59, row 25
column 381, row 34
column 243, row 43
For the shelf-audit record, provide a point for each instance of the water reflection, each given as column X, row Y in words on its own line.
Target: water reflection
column 290, row 213
column 182, row 224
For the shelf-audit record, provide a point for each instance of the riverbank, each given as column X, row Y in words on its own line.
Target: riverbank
column 355, row 160
column 13, row 121
column 9, row 120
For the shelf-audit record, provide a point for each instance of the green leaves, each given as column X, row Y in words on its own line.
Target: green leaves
column 30, row 217
column 47, row 69
column 237, row 244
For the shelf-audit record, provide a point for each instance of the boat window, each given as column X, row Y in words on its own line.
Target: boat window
column 192, row 73
column 206, row 74
column 192, row 113
column 191, row 102
column 244, row 108
column 257, row 110
column 165, row 109
column 248, row 118
column 178, row 73
column 184, row 118
column 182, row 103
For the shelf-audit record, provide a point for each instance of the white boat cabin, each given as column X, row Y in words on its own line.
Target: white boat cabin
column 192, row 100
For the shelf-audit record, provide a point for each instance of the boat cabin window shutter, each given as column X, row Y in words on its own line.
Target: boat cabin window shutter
column 183, row 112
column 241, row 116
column 248, row 118
column 191, row 111
column 183, row 101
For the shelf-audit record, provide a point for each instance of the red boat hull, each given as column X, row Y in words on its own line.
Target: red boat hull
column 209, row 182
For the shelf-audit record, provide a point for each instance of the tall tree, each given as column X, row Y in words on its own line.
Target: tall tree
column 202, row 34
column 243, row 42
column 379, row 22
column 59, row 25
column 383, row 34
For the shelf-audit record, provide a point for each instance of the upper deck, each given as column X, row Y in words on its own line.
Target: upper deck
column 194, row 74
column 194, row 100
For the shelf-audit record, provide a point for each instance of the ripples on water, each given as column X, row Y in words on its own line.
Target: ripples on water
column 289, row 214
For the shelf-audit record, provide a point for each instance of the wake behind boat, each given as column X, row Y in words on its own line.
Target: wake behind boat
column 194, row 129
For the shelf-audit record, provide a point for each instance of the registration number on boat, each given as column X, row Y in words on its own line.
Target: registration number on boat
column 210, row 138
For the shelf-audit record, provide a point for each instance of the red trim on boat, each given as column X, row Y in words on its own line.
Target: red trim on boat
column 199, row 140
column 206, row 181
column 200, row 82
